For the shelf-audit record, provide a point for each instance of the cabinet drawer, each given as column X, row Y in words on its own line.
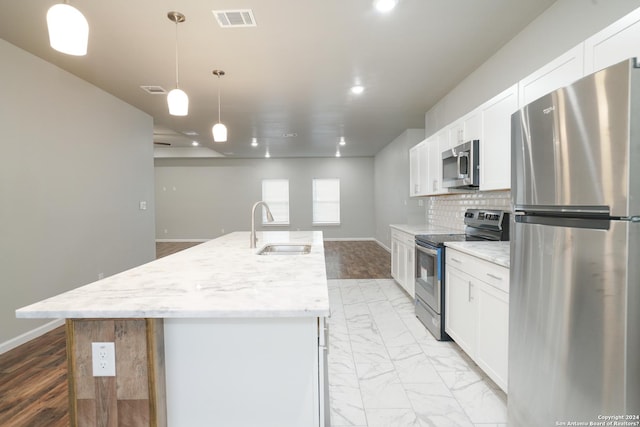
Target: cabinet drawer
column 495, row 275
column 486, row 271
column 406, row 238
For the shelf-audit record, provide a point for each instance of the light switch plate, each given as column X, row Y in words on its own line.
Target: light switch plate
column 103, row 357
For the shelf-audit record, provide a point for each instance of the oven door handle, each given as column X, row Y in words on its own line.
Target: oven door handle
column 427, row 250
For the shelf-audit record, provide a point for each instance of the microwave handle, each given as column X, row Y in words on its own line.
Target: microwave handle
column 460, row 156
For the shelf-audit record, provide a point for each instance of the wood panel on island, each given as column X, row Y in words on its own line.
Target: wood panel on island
column 135, row 395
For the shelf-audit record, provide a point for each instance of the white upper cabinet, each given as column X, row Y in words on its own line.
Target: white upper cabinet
column 418, row 170
column 414, row 170
column 495, row 142
column 617, row 42
column 560, row 72
column 465, row 129
column 424, row 166
column 434, row 156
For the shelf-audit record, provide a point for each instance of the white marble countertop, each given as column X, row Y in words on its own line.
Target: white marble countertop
column 219, row 278
column 495, row 252
column 424, row 229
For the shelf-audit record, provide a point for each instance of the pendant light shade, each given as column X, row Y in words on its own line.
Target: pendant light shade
column 178, row 102
column 219, row 130
column 177, row 99
column 68, row 30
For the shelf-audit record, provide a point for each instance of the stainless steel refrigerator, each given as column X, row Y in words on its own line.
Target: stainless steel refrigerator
column 574, row 305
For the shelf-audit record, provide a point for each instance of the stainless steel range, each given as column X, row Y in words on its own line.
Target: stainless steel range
column 480, row 224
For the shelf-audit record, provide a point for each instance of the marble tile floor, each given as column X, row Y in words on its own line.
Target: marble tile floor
column 386, row 370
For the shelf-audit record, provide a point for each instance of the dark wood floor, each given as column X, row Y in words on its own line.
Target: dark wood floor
column 357, row 260
column 33, row 383
column 167, row 248
column 33, row 376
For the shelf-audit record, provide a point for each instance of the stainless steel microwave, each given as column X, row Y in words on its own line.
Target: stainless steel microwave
column 460, row 166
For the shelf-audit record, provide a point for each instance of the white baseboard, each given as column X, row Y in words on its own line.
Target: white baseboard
column 181, row 240
column 382, row 245
column 28, row 336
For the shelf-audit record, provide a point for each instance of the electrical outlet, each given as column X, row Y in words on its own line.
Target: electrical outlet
column 103, row 358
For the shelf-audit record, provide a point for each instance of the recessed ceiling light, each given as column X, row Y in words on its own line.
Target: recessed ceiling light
column 385, row 5
column 342, row 141
column 254, row 142
column 190, row 133
column 195, row 143
column 357, row 89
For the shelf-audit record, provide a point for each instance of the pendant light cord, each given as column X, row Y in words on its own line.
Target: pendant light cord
column 177, row 75
column 218, row 98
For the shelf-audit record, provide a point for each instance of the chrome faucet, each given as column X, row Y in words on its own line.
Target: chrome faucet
column 253, row 237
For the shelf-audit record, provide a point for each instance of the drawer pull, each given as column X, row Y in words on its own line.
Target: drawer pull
column 493, row 276
column 455, row 259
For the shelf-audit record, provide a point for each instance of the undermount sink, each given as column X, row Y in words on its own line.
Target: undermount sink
column 285, row 249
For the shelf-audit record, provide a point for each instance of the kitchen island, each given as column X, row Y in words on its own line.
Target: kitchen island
column 238, row 337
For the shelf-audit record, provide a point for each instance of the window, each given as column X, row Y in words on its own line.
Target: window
column 326, row 201
column 275, row 192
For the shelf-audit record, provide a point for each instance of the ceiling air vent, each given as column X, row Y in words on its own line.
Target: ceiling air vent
column 154, row 90
column 235, row 18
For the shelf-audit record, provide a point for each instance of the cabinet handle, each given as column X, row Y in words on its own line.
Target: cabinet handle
column 493, row 276
column 469, row 292
column 455, row 260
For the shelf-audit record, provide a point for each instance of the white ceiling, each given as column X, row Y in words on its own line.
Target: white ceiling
column 289, row 74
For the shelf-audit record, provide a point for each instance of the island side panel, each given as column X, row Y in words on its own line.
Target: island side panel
column 131, row 397
column 242, row 372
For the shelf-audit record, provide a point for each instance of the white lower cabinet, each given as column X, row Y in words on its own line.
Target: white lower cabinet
column 403, row 260
column 461, row 309
column 493, row 333
column 477, row 311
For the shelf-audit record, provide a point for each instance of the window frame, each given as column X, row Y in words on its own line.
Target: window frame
column 274, row 204
column 314, row 201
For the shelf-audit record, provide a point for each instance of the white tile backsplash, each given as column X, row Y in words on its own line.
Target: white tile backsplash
column 448, row 210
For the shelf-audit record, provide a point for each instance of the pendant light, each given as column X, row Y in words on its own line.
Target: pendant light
column 219, row 130
column 177, row 100
column 68, row 29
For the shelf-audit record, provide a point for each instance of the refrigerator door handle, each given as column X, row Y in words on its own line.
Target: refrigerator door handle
column 561, row 221
column 571, row 211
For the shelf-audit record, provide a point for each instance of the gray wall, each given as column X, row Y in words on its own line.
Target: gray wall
column 392, row 202
column 205, row 198
column 75, row 164
column 561, row 27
